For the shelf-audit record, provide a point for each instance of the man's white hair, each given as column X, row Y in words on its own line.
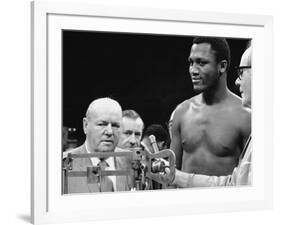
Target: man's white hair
column 247, row 57
column 105, row 103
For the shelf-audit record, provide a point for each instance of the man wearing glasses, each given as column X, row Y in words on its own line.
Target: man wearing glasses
column 245, row 86
column 242, row 174
column 210, row 130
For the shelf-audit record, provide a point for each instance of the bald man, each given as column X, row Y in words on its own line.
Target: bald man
column 102, row 129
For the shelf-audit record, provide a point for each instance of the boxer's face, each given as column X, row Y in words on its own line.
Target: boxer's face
column 203, row 68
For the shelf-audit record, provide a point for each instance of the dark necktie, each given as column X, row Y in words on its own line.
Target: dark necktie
column 106, row 184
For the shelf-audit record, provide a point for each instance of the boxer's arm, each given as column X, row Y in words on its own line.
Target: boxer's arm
column 176, row 141
column 187, row 180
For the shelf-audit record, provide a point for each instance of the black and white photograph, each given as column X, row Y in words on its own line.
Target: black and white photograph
column 154, row 112
column 148, row 112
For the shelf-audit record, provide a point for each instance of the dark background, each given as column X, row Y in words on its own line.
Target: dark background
column 144, row 72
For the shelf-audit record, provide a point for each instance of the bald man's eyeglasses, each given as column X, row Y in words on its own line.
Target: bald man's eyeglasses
column 240, row 70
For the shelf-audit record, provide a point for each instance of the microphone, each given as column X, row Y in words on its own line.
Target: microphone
column 153, row 143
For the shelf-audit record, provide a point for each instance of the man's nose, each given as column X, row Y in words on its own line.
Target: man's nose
column 193, row 69
column 133, row 140
column 108, row 129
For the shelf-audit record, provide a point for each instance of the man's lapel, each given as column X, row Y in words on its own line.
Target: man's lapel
column 82, row 164
column 123, row 163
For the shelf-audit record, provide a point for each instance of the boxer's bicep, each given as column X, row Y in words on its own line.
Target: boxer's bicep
column 176, row 144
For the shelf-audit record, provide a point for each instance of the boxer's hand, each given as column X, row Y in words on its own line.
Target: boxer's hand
column 162, row 167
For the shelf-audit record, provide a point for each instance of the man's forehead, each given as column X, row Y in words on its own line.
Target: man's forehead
column 106, row 106
column 203, row 46
column 245, row 59
column 126, row 121
column 106, row 114
column 202, row 49
column 109, row 109
column 243, row 62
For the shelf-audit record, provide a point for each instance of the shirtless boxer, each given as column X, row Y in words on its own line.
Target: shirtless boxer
column 210, row 129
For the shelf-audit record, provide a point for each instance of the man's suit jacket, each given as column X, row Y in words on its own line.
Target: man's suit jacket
column 123, row 183
column 80, row 184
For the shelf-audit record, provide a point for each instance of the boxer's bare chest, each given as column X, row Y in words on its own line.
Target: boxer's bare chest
column 210, row 128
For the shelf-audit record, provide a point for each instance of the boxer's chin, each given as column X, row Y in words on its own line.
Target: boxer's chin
column 198, row 88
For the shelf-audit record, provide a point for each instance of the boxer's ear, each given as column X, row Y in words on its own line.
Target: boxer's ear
column 223, row 66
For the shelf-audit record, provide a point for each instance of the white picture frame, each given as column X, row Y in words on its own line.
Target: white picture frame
column 47, row 204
